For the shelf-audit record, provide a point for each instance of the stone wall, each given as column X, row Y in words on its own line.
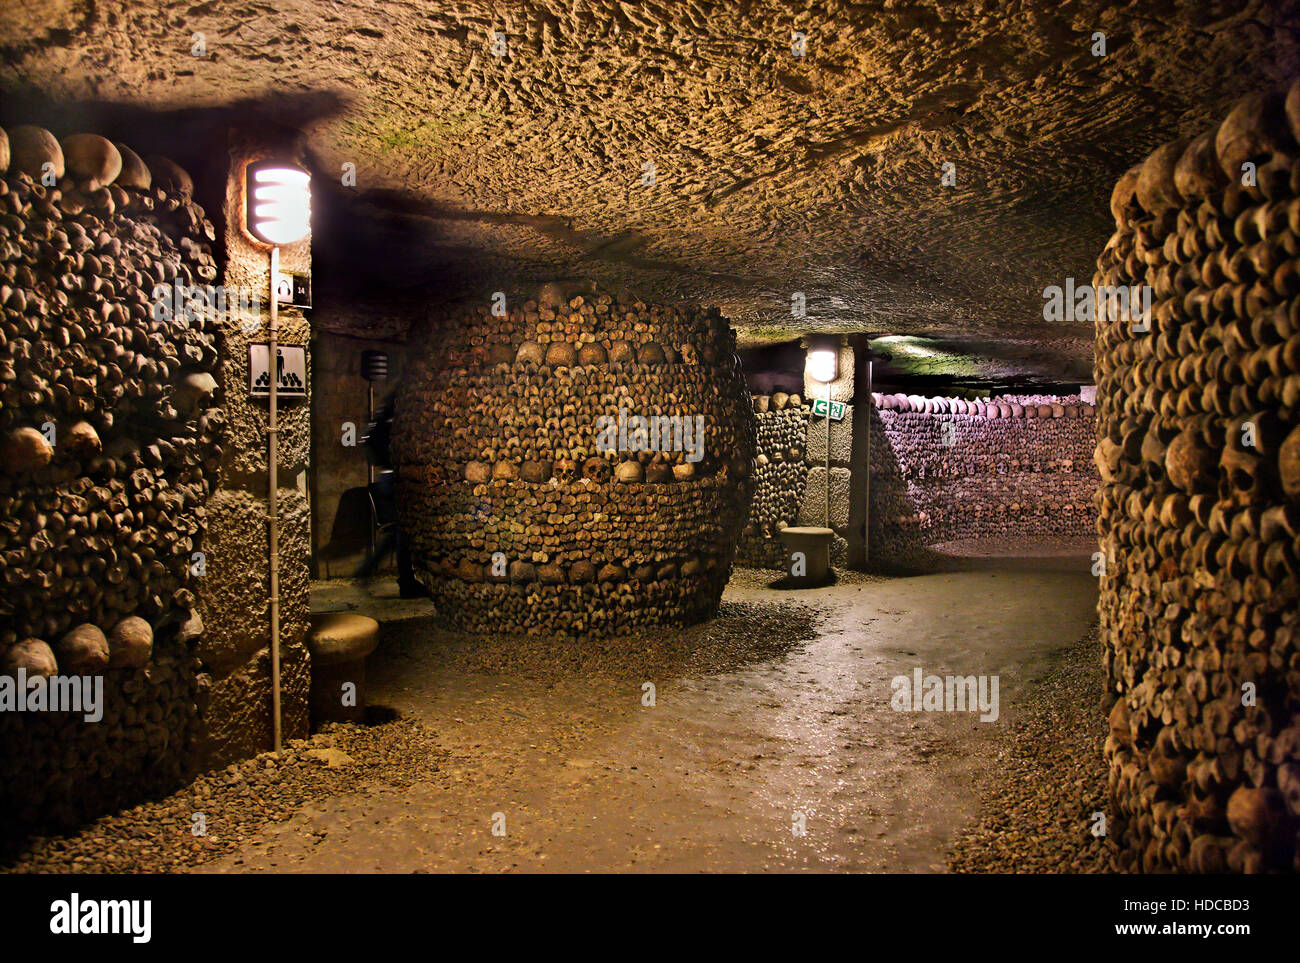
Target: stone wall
column 1199, row 452
column 112, row 442
column 339, row 399
column 236, row 589
column 944, row 469
column 518, row 519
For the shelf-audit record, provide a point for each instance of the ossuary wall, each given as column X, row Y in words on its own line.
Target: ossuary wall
column 942, row 469
column 780, row 480
column 581, row 465
column 1199, row 451
column 111, row 443
column 947, row 469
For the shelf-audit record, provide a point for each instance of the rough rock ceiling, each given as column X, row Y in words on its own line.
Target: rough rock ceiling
column 773, row 173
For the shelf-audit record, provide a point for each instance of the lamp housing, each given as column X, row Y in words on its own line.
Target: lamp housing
column 823, row 364
column 277, row 202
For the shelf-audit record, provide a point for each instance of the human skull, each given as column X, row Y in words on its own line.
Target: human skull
column 566, row 470
column 597, row 469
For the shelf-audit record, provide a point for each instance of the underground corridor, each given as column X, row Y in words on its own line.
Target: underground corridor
column 594, row 438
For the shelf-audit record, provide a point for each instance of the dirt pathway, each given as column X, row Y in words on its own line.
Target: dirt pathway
column 711, row 777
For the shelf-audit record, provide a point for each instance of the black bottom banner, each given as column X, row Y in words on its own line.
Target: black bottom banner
column 937, row 916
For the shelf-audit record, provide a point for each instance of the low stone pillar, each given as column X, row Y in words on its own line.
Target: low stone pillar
column 339, row 643
column 808, row 555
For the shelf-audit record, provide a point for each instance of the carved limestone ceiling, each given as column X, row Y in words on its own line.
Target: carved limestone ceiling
column 773, row 173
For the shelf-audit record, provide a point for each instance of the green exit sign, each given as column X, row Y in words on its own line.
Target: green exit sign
column 837, row 409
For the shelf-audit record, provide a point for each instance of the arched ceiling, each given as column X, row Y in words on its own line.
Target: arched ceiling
column 773, row 173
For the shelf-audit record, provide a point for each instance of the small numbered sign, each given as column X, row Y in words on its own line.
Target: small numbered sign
column 293, row 289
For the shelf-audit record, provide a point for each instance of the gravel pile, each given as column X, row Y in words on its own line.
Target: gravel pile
column 741, row 633
column 1036, row 814
column 745, row 579
column 236, row 802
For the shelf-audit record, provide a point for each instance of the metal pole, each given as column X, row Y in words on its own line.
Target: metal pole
column 828, row 454
column 370, row 417
column 272, row 515
column 370, row 465
column 866, row 515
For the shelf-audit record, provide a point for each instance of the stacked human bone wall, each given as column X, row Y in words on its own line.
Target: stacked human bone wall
column 524, row 514
column 111, row 445
column 1199, row 453
column 780, row 479
column 944, row 469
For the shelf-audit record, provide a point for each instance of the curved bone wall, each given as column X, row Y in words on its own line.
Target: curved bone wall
column 1199, row 454
column 517, row 520
column 111, row 446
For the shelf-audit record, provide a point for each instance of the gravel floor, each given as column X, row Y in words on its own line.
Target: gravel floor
column 236, row 802
column 708, row 778
column 244, row 799
column 779, row 704
column 1036, row 809
column 770, row 578
column 741, row 633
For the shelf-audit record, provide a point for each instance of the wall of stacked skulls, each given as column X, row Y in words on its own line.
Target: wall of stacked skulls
column 1015, row 467
column 111, row 440
column 1199, row 520
column 496, row 444
column 780, row 479
column 1019, row 465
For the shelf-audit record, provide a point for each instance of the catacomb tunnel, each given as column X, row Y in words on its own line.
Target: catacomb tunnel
column 680, row 437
